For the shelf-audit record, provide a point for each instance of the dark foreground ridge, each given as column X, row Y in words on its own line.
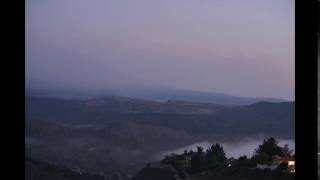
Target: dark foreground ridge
column 40, row 170
column 270, row 162
column 158, row 171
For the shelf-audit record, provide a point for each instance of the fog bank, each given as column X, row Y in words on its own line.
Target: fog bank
column 245, row 146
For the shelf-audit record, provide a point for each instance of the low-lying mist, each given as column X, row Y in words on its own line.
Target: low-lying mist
column 245, row 146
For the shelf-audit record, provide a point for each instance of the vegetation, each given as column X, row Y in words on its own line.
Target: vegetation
column 268, row 149
column 212, row 163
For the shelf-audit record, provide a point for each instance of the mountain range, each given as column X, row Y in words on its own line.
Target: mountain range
column 122, row 134
column 36, row 87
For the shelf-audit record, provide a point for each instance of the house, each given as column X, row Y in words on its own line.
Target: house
column 290, row 161
column 276, row 161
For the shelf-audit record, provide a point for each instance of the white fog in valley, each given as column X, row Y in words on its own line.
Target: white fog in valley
column 245, row 146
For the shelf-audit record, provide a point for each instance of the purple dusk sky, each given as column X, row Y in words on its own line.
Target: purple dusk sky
column 238, row 47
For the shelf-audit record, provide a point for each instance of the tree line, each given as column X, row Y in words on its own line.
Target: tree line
column 214, row 157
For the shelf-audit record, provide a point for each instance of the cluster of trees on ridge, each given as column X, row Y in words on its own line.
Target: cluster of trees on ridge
column 214, row 158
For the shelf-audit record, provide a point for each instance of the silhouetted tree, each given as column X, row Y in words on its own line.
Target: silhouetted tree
column 286, row 151
column 243, row 160
column 270, row 148
column 185, row 153
column 215, row 156
column 232, row 161
column 190, row 153
column 283, row 166
column 200, row 150
column 261, row 158
column 198, row 161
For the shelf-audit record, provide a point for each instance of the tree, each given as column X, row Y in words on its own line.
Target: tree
column 165, row 160
column 190, row 153
column 231, row 161
column 262, row 158
column 185, row 153
column 270, row 148
column 286, row 151
column 200, row 150
column 215, row 156
column 197, row 163
column 169, row 159
column 243, row 160
column 283, row 166
column 197, row 160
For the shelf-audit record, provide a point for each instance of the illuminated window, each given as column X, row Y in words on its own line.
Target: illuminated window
column 291, row 163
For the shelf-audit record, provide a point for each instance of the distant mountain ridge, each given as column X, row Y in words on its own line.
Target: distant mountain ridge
column 209, row 97
column 152, row 94
column 124, row 104
column 172, row 114
column 42, row 88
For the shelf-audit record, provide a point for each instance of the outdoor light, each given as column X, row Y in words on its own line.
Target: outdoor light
column 291, row 163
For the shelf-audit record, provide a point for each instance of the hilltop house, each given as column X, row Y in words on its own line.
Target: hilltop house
column 290, row 161
column 276, row 161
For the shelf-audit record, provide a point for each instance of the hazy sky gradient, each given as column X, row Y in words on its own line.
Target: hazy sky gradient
column 243, row 48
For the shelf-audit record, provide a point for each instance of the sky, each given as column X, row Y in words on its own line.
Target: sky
column 243, row 48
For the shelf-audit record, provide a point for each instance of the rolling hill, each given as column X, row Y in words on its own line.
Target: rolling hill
column 91, row 133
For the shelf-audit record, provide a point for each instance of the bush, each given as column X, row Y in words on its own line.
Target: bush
column 283, row 166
